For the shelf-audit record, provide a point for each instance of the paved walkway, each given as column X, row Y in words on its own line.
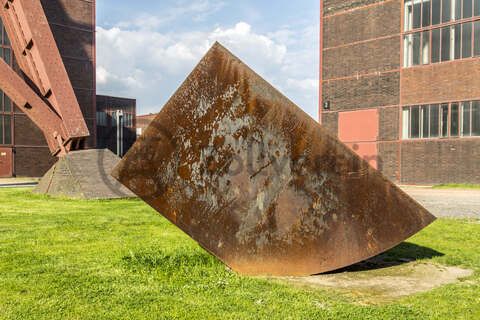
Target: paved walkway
column 18, row 182
column 456, row 203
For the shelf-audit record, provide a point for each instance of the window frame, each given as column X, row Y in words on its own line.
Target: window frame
column 5, row 44
column 408, row 31
column 406, row 124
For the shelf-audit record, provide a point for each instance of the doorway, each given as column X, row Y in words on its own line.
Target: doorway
column 6, row 163
column 359, row 131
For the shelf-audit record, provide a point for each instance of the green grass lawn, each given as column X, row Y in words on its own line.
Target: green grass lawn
column 457, row 186
column 65, row 259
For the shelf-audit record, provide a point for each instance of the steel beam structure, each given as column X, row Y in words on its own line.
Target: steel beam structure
column 45, row 94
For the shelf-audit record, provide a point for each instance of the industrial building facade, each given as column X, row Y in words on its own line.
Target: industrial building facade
column 73, row 26
column 400, row 85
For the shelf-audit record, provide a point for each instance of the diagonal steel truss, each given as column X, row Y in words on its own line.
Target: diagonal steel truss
column 43, row 91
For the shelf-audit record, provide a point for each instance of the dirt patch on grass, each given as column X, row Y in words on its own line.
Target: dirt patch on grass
column 378, row 285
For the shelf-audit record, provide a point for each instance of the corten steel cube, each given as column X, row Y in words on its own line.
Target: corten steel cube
column 258, row 183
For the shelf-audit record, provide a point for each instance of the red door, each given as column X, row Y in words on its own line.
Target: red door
column 6, row 168
column 359, row 131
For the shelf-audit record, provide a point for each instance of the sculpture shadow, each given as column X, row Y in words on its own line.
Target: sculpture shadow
column 405, row 252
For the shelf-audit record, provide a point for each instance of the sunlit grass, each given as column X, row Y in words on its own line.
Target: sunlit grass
column 65, row 259
column 457, row 186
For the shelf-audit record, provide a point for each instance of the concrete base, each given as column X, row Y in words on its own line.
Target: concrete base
column 84, row 175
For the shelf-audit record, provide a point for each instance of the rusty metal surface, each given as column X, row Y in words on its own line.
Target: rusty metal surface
column 258, row 183
column 38, row 57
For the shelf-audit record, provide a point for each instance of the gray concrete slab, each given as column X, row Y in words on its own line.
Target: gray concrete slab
column 452, row 203
column 18, row 182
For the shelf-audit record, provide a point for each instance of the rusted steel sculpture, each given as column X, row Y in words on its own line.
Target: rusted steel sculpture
column 258, row 183
column 44, row 93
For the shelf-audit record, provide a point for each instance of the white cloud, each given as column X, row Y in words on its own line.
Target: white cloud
column 143, row 63
column 198, row 10
column 252, row 46
column 307, row 85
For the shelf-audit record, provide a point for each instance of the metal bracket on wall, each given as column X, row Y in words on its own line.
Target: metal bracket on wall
column 45, row 94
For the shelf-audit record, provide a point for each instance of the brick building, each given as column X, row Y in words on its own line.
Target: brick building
column 23, row 149
column 400, row 85
column 73, row 26
column 143, row 122
column 108, row 126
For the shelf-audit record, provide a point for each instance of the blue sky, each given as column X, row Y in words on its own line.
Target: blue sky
column 145, row 49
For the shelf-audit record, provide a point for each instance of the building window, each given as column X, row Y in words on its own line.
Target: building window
column 101, row 119
column 128, row 120
column 6, row 104
column 466, row 118
column 444, row 120
column 436, row 11
column 446, row 44
column 6, row 55
column 476, row 32
column 5, row 50
column 454, row 120
column 6, row 108
column 470, row 118
column 441, row 120
column 435, row 39
column 434, row 118
column 3, row 35
column 446, row 10
column 5, row 129
column 431, row 37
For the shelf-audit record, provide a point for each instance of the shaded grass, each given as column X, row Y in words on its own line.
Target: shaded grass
column 70, row 259
column 457, row 186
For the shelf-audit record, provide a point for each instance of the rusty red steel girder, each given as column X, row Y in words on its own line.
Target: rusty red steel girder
column 45, row 93
column 258, row 183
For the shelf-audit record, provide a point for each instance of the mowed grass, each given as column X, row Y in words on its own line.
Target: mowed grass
column 457, row 186
column 65, row 259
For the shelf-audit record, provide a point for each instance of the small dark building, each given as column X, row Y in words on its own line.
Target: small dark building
column 116, row 124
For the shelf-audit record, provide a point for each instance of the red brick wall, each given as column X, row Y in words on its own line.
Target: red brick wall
column 335, row 6
column 361, row 54
column 32, row 161
column 73, row 26
column 389, row 124
column 444, row 82
column 374, row 90
column 383, row 56
column 361, row 69
column 366, row 23
column 388, row 159
column 441, row 161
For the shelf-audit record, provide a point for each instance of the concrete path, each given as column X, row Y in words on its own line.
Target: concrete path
column 455, row 203
column 18, row 182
